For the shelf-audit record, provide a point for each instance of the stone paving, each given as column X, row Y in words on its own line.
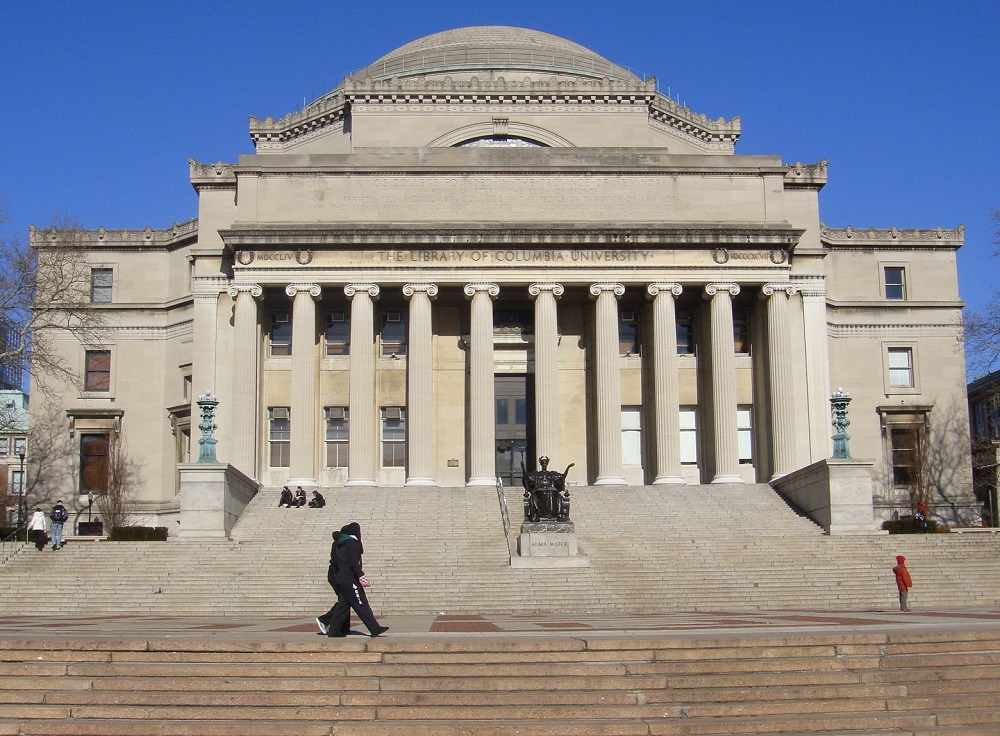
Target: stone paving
column 695, row 625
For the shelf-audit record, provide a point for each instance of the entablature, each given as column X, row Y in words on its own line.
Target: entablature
column 124, row 238
column 887, row 238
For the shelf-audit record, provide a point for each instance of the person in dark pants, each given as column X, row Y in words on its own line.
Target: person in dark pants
column 349, row 582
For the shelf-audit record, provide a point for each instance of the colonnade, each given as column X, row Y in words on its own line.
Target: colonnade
column 421, row 463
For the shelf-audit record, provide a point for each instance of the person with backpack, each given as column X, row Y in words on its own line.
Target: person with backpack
column 59, row 517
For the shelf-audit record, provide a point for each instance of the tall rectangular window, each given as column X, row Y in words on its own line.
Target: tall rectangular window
column 280, row 335
column 97, row 371
column 905, row 442
column 95, row 462
column 628, row 333
column 337, row 435
column 3, row 447
column 741, row 331
column 685, row 332
column 689, row 435
column 631, row 435
column 279, row 436
column 393, row 437
column 338, row 333
column 895, row 282
column 20, row 446
column 901, row 367
column 101, row 283
column 744, row 431
column 393, row 334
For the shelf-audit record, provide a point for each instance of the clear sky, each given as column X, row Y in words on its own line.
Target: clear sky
column 104, row 102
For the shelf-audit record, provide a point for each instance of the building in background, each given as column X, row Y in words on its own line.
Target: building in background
column 984, row 417
column 493, row 244
column 13, row 455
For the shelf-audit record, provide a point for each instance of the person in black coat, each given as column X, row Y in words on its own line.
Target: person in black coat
column 287, row 499
column 349, row 582
column 317, row 501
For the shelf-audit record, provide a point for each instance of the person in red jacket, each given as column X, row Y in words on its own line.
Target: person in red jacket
column 903, row 582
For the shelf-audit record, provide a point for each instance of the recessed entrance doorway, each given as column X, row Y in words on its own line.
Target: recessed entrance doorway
column 515, row 426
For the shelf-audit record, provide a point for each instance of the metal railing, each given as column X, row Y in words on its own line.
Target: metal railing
column 10, row 545
column 503, row 508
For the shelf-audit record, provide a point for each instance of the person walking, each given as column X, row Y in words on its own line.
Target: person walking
column 903, row 582
column 37, row 528
column 59, row 515
column 349, row 582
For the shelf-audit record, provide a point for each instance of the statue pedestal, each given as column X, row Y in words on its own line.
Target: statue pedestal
column 548, row 544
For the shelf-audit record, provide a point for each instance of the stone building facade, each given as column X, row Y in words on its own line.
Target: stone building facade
column 492, row 245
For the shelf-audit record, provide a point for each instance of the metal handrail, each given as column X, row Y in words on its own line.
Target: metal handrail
column 9, row 546
column 503, row 507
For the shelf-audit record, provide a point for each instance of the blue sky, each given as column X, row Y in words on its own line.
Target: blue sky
column 104, row 102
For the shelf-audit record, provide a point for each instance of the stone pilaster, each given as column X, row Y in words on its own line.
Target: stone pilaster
column 482, row 393
column 780, row 388
column 362, row 427
column 420, row 445
column 666, row 396
column 818, row 384
column 302, row 469
column 245, row 412
column 608, row 384
column 547, row 413
column 724, row 397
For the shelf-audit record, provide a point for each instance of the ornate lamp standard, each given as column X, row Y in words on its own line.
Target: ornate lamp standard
column 841, row 440
column 206, row 453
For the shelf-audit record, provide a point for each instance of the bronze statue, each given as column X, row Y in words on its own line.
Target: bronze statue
column 545, row 494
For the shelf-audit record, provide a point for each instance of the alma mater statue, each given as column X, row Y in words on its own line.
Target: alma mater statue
column 545, row 494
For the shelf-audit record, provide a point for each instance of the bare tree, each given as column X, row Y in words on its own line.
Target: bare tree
column 982, row 327
column 44, row 292
column 117, row 506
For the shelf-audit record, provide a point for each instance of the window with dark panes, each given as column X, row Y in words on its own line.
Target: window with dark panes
column 97, row 375
column 905, row 455
column 628, row 333
column 685, row 332
column 393, row 334
column 95, row 462
column 741, row 331
column 279, row 436
column 338, row 333
column 280, row 335
column 895, row 282
column 337, row 437
column 393, row 437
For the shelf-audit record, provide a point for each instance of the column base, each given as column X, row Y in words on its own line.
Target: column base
column 306, row 483
column 608, row 480
column 726, row 478
column 488, row 481
column 421, row 482
column 669, row 480
column 360, row 482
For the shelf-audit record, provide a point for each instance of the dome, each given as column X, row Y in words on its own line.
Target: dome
column 489, row 49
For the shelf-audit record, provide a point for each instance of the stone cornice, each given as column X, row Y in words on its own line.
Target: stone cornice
column 665, row 111
column 110, row 239
column 891, row 237
column 806, row 176
column 323, row 113
column 485, row 234
column 212, row 176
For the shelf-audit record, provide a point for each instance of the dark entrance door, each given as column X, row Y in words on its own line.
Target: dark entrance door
column 515, row 426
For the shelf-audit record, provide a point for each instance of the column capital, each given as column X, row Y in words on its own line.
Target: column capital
column 371, row 289
column 313, row 290
column 254, row 290
column 770, row 289
column 431, row 290
column 556, row 290
column 493, row 290
column 714, row 288
column 663, row 287
column 597, row 289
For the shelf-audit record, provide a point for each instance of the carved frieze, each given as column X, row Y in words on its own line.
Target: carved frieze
column 147, row 237
column 893, row 236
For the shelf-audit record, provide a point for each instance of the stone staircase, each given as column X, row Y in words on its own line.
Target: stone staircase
column 556, row 685
column 432, row 550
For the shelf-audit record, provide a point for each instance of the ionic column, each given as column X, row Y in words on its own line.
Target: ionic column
column 482, row 409
column 245, row 412
column 724, row 398
column 362, row 431
column 818, row 385
column 302, row 467
column 547, row 419
column 666, row 395
column 780, row 389
column 420, row 445
column 608, row 385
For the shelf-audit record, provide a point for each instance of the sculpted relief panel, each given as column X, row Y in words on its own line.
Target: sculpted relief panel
column 513, row 198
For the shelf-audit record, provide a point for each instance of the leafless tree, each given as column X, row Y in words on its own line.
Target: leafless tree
column 44, row 292
column 117, row 506
column 982, row 327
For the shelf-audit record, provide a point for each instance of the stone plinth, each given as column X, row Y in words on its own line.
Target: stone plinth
column 835, row 493
column 548, row 544
column 212, row 498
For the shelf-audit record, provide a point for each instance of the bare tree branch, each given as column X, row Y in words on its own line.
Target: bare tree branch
column 982, row 327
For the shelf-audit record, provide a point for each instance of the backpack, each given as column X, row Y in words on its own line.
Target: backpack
column 59, row 514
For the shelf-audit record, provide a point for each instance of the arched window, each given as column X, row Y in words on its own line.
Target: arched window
column 500, row 141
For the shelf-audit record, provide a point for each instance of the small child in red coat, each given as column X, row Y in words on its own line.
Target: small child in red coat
column 903, row 582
